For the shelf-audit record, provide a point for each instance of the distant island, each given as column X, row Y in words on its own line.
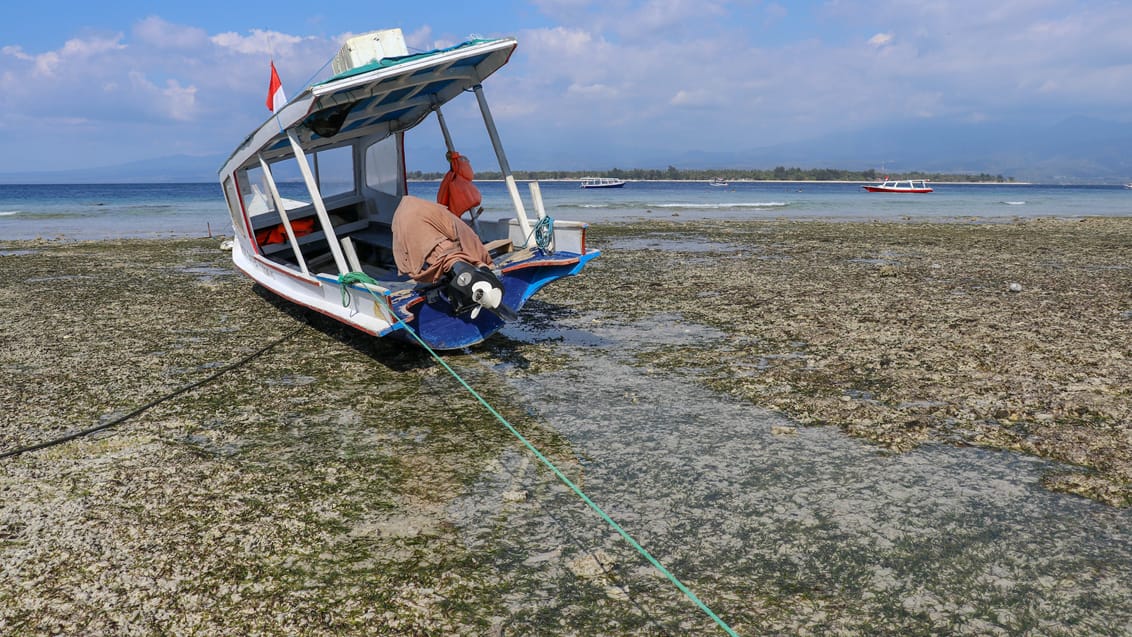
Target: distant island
column 779, row 173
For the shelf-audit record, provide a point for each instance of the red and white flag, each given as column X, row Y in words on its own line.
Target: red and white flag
column 275, row 96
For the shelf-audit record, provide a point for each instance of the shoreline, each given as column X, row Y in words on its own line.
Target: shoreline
column 437, row 180
column 771, row 181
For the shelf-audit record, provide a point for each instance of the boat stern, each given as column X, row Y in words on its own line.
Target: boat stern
column 439, row 320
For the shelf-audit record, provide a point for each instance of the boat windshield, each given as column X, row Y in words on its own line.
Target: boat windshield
column 382, row 162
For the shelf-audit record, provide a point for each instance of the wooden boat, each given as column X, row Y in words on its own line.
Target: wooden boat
column 336, row 249
column 602, row 182
column 904, row 186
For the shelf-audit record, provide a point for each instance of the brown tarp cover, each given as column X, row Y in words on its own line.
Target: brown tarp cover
column 427, row 239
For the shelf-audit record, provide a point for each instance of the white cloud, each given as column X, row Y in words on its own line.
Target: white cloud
column 572, row 43
column 16, row 52
column 258, row 42
column 568, row 10
column 180, row 100
column 420, row 39
column 880, row 39
column 162, row 86
column 593, row 91
column 76, row 51
column 172, row 101
column 659, row 16
column 716, row 74
column 695, row 98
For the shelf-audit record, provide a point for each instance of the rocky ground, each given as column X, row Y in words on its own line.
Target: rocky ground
column 306, row 489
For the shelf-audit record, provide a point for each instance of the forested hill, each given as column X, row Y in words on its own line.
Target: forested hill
column 779, row 173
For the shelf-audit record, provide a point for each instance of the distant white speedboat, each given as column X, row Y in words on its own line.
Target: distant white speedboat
column 718, row 182
column 356, row 246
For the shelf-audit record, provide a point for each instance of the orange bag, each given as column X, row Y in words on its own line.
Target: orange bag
column 278, row 234
column 457, row 192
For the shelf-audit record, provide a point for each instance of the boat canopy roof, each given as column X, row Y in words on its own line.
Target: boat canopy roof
column 377, row 99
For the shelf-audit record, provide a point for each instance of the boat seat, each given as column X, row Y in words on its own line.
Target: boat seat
column 383, row 275
column 376, row 235
column 376, row 272
column 498, row 247
column 321, row 263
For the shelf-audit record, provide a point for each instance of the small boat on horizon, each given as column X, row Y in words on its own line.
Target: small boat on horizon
column 602, row 182
column 916, row 186
column 356, row 245
column 719, row 182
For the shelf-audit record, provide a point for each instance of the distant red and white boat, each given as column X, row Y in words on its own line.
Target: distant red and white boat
column 906, row 186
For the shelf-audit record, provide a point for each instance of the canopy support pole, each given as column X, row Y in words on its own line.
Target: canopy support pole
column 504, row 167
column 319, row 205
column 267, row 176
column 444, row 129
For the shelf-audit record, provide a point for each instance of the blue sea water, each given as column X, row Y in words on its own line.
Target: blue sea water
column 99, row 211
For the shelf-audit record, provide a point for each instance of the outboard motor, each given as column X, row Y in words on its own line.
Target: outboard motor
column 472, row 288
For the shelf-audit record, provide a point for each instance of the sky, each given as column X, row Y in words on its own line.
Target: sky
column 602, row 82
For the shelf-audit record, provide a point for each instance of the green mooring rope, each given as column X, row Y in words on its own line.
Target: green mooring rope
column 345, row 280
column 359, row 277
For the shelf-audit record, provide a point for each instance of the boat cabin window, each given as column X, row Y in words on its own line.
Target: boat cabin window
column 334, row 171
column 383, row 163
column 257, row 194
column 232, row 197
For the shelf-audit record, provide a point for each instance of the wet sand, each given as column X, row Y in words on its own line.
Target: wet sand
column 337, row 485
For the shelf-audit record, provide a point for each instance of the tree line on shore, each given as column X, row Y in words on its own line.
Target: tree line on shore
column 778, row 173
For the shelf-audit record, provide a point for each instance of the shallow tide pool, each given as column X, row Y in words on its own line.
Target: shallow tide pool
column 778, row 528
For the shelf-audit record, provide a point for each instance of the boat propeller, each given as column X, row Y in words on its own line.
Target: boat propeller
column 476, row 289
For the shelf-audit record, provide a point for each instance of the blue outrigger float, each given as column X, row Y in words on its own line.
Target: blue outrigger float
column 337, row 250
